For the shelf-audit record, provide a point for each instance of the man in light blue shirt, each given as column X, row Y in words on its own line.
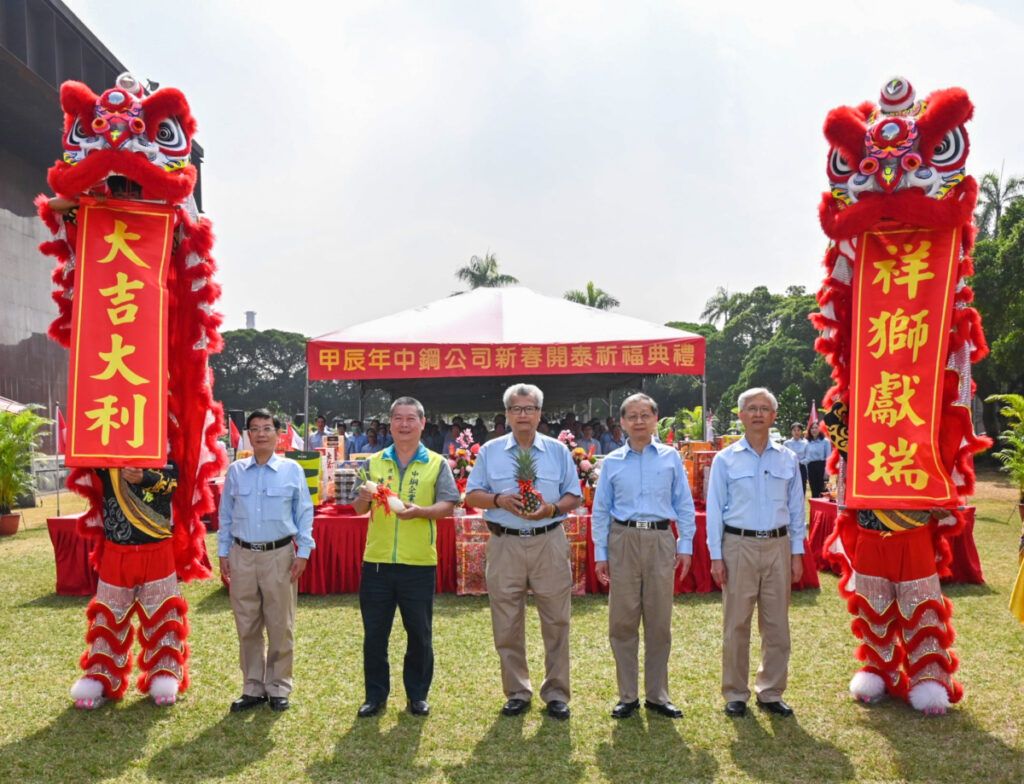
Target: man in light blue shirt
column 756, row 526
column 798, row 446
column 527, row 550
column 612, row 440
column 265, row 511
column 641, row 489
column 316, row 437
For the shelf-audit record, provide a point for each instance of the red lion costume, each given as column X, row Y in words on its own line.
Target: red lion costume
column 136, row 146
column 900, row 166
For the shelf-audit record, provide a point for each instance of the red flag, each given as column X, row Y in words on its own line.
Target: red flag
column 236, row 437
column 296, row 439
column 813, row 417
column 62, row 433
column 671, row 437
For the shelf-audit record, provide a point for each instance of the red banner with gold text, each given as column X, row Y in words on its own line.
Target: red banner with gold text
column 118, row 377
column 903, row 288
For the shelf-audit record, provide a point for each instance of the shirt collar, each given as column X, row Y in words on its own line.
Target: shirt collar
column 421, row 456
column 273, row 463
column 746, row 445
column 538, row 441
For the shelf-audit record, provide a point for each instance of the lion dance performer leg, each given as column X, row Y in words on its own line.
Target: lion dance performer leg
column 132, row 148
column 899, row 332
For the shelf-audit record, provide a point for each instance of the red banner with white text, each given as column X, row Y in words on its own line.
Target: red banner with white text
column 118, row 377
column 903, row 288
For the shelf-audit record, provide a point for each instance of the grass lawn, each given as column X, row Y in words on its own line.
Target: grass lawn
column 831, row 739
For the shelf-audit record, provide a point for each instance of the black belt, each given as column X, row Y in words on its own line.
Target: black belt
column 262, row 547
column 774, row 534
column 660, row 525
column 500, row 530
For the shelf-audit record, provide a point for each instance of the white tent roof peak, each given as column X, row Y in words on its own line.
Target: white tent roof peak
column 503, row 315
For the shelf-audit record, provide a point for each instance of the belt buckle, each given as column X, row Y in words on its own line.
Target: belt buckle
column 526, row 532
column 763, row 534
column 643, row 525
column 258, row 547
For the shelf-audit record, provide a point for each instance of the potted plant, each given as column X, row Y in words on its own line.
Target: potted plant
column 18, row 435
column 1012, row 439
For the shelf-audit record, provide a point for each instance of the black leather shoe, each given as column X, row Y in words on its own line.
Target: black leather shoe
column 779, row 708
column 736, row 709
column 558, row 710
column 419, row 708
column 279, row 704
column 514, row 707
column 668, row 709
column 623, row 710
column 247, row 701
column 368, row 709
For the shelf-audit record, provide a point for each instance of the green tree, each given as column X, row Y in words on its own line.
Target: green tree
column 793, row 407
column 593, row 297
column 483, row 273
column 766, row 341
column 994, row 194
column 999, row 270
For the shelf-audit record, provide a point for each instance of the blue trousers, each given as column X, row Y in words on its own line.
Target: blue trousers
column 410, row 589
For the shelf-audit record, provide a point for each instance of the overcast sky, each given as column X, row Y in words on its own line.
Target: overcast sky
column 358, row 153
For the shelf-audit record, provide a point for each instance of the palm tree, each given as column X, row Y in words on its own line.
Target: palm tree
column 994, row 196
column 483, row 273
column 722, row 305
column 593, row 297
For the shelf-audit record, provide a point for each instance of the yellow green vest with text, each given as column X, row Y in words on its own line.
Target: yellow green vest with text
column 390, row 540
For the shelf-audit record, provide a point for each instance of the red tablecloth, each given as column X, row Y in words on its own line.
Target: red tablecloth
column 966, row 565
column 335, row 564
column 75, row 577
column 336, row 561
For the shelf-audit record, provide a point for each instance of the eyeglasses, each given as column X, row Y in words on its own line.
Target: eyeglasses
column 265, row 429
column 404, row 420
column 758, row 409
column 639, row 417
column 523, row 409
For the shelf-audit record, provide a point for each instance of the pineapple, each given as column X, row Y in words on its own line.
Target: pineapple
column 526, row 472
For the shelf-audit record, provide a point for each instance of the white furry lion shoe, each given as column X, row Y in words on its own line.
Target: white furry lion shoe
column 930, row 698
column 164, row 690
column 87, row 693
column 867, row 687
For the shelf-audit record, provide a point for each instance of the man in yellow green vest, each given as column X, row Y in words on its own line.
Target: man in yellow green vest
column 400, row 561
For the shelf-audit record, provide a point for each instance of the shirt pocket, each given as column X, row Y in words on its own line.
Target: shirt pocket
column 278, row 506
column 548, row 485
column 244, row 503
column 777, row 479
column 742, row 485
column 658, row 485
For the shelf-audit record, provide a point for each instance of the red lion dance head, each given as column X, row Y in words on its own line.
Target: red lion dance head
column 135, row 146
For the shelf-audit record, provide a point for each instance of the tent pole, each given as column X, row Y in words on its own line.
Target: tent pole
column 305, row 408
column 359, row 409
column 704, row 404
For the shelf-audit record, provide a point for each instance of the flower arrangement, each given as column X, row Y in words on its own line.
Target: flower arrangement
column 586, row 468
column 461, row 457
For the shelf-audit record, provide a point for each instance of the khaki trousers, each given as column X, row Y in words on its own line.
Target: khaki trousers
column 264, row 598
column 641, row 564
column 516, row 564
column 757, row 572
